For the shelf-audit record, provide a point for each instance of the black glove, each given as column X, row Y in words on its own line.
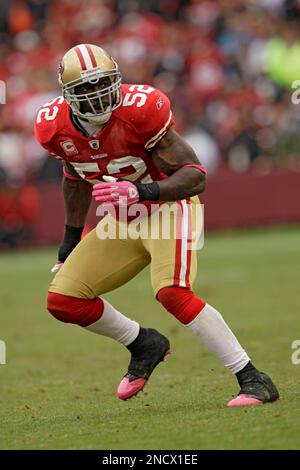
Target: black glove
column 71, row 239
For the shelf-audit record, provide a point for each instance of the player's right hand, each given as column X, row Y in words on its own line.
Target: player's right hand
column 57, row 267
column 116, row 193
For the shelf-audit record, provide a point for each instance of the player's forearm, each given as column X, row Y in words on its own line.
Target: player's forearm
column 77, row 197
column 183, row 183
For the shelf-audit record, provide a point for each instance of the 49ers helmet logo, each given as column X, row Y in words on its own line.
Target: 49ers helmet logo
column 69, row 147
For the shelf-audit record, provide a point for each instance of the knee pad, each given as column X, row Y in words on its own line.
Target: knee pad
column 181, row 302
column 82, row 312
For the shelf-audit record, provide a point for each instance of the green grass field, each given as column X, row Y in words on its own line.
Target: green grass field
column 58, row 386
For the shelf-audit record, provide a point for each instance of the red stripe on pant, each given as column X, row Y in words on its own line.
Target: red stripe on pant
column 176, row 279
column 183, row 217
column 189, row 248
column 82, row 312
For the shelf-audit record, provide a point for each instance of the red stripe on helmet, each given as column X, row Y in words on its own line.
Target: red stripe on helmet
column 91, row 54
column 80, row 57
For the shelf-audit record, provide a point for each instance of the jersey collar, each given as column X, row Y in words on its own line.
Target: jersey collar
column 77, row 125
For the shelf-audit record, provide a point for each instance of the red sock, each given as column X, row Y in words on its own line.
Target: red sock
column 69, row 309
column 181, row 302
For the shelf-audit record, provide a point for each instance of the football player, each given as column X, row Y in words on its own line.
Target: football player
column 117, row 143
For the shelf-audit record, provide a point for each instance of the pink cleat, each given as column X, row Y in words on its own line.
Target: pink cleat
column 243, row 400
column 147, row 351
column 129, row 389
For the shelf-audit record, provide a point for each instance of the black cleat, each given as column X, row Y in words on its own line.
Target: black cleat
column 147, row 351
column 256, row 388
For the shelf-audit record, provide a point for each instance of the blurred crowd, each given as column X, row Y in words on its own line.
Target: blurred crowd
column 227, row 65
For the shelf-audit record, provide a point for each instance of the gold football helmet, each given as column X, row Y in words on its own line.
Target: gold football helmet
column 91, row 82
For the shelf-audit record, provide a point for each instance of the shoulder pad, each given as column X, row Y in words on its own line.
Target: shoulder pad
column 50, row 119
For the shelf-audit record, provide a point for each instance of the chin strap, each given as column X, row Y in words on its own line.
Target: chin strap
column 199, row 167
column 97, row 120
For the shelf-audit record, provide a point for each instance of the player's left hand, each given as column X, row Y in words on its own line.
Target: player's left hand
column 58, row 265
column 117, row 193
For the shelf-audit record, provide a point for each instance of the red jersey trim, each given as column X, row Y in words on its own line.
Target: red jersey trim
column 199, row 167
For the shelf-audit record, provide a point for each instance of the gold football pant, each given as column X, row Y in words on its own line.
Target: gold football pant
column 166, row 240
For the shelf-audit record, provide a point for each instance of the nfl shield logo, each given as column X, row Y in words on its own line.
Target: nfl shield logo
column 94, row 144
